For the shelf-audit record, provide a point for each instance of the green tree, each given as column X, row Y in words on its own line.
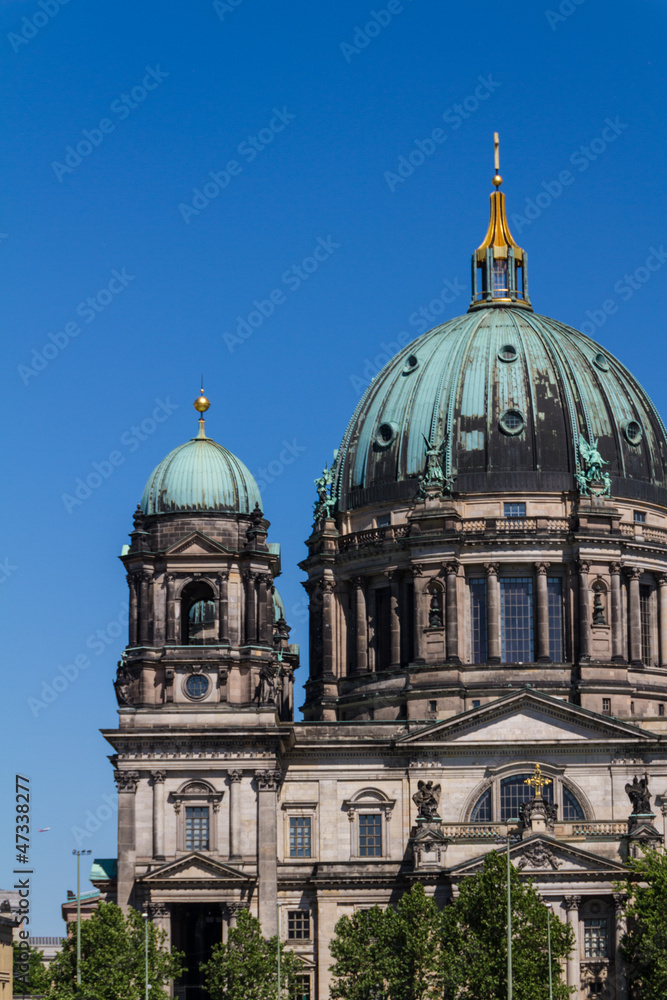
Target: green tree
column 30, row 973
column 475, row 939
column 362, row 956
column 113, row 959
column 245, row 967
column 644, row 947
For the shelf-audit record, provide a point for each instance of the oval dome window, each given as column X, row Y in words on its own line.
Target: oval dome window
column 601, row 362
column 512, row 422
column 196, row 685
column 633, row 431
column 386, row 434
column 507, row 353
column 411, row 363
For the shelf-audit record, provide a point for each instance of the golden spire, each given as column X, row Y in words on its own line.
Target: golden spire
column 498, row 234
column 537, row 781
column 201, row 405
column 497, row 180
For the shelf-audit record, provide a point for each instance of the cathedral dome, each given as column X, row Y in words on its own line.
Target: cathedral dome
column 200, row 475
column 506, row 394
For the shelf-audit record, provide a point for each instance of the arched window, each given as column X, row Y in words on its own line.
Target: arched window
column 571, row 808
column 482, row 811
column 514, row 792
column 501, row 800
column 198, row 615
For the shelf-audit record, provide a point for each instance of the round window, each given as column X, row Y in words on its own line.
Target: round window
column 601, row 362
column 633, row 431
column 196, row 685
column 386, row 434
column 512, row 422
column 508, row 353
column 412, row 362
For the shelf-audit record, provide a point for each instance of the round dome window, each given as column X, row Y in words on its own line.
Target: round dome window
column 196, row 686
column 512, row 422
column 633, row 431
column 507, row 353
column 386, row 434
column 411, row 363
column 601, row 362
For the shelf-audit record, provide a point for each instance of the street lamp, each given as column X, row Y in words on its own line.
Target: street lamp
column 78, row 915
column 278, row 939
column 550, row 908
column 508, row 839
column 145, row 916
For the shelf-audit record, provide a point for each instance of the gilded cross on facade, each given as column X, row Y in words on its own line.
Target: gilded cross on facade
column 537, row 781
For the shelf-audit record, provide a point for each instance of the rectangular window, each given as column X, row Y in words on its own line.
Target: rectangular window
column 515, row 510
column 516, row 619
column 301, row 988
column 645, row 615
column 382, row 628
column 299, row 836
column 196, row 828
column 595, row 938
column 500, row 279
column 370, row 835
column 555, row 597
column 606, row 706
column 383, row 520
column 475, row 703
column 298, row 925
column 478, row 620
column 661, row 709
column 640, row 517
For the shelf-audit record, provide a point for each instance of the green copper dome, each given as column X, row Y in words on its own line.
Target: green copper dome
column 200, row 475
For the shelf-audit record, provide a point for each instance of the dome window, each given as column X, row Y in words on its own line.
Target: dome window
column 601, row 362
column 633, row 431
column 411, row 364
column 386, row 434
column 507, row 353
column 196, row 686
column 512, row 422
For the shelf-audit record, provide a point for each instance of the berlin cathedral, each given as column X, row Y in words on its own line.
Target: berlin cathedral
column 487, row 581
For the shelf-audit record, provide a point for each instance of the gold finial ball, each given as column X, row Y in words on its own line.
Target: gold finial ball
column 497, row 180
column 201, row 403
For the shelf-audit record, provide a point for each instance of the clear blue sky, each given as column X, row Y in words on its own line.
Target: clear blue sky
column 304, row 115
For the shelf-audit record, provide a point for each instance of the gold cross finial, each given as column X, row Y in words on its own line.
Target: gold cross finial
column 537, row 781
column 497, row 180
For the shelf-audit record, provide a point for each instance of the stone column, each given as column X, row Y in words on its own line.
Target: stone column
column 616, row 615
column 394, row 619
column 234, row 778
column 542, row 613
column 662, row 583
column 492, row 612
column 584, row 613
column 144, row 610
column 263, row 582
column 133, row 615
column 372, row 618
column 160, row 914
column 452, row 637
column 234, row 909
column 327, row 588
column 126, row 782
column 250, row 608
column 267, row 849
column 223, row 608
column 361, row 630
column 573, row 967
column 170, row 623
column 158, row 814
column 620, row 927
column 417, row 613
column 633, row 573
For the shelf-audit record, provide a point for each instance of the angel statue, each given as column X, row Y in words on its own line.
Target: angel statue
column 639, row 795
column 434, row 482
column 592, row 459
column 426, row 798
column 325, row 503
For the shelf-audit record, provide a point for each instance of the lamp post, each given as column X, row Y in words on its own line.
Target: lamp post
column 549, row 912
column 145, row 916
column 78, row 916
column 278, row 939
column 508, row 839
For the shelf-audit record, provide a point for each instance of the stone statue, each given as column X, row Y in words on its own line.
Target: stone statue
column 598, row 610
column 426, row 798
column 639, row 795
column 435, row 613
column 538, row 805
column 266, row 687
column 434, row 483
column 592, row 481
column 122, row 684
column 325, row 503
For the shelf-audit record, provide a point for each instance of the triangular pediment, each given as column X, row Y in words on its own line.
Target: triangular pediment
column 197, row 868
column 197, row 544
column 544, row 855
column 526, row 717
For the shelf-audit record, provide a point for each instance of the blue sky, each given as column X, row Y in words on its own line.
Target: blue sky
column 169, row 170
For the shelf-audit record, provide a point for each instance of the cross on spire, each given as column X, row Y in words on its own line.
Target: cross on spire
column 537, row 781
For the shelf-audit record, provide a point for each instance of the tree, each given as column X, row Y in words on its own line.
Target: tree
column 30, row 973
column 245, row 967
column 644, row 947
column 113, row 959
column 475, row 939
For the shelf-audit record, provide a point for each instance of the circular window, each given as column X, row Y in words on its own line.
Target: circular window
column 512, row 422
column 386, row 434
column 633, row 431
column 411, row 363
column 601, row 362
column 196, row 685
column 507, row 353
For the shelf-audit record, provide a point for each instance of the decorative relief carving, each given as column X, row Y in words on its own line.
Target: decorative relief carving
column 126, row 781
column 572, row 902
column 539, row 856
column 234, row 776
column 268, row 780
column 542, row 568
column 158, row 777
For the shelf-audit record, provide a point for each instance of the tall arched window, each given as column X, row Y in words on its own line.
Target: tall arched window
column 198, row 615
column 501, row 800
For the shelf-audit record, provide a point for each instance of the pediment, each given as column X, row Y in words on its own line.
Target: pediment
column 197, row 544
column 541, row 855
column 526, row 717
column 197, row 868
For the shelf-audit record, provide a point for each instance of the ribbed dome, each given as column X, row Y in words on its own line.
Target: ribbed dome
column 509, row 392
column 200, row 475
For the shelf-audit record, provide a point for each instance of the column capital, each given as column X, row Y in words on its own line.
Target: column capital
column 326, row 586
column 583, row 565
column 158, row 777
column 572, row 902
column 234, row 776
column 126, row 781
column 633, row 572
column 452, row 567
column 416, row 569
column 620, row 903
column 615, row 569
column 268, row 780
column 392, row 574
column 662, row 580
column 159, row 910
column 492, row 569
column 542, row 567
column 223, row 576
